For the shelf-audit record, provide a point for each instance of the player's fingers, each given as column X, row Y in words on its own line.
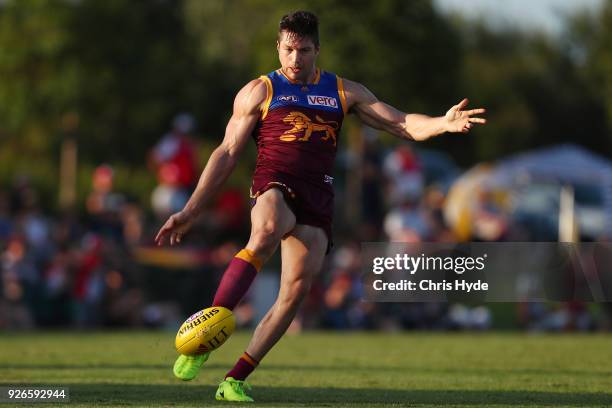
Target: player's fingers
column 478, row 120
column 476, row 111
column 463, row 103
column 168, row 225
column 466, row 127
column 159, row 238
column 175, row 238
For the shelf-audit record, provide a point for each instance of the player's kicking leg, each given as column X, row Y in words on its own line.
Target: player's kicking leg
column 271, row 219
column 303, row 251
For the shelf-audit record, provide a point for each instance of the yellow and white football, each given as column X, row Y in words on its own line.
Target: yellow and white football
column 205, row 330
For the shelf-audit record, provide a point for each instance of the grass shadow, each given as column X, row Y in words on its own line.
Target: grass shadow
column 94, row 366
column 283, row 367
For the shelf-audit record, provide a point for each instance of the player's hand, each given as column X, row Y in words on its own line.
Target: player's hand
column 177, row 225
column 460, row 120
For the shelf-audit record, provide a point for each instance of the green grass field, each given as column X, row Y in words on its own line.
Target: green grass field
column 324, row 369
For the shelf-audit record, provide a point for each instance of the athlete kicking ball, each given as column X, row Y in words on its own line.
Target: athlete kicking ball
column 295, row 115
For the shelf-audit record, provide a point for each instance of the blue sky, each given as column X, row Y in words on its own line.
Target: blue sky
column 527, row 14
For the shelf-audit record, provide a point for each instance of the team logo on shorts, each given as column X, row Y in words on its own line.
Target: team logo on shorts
column 327, row 101
column 328, row 179
column 288, row 98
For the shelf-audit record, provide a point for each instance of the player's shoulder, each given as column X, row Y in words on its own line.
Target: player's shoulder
column 354, row 92
column 252, row 95
column 256, row 88
column 352, row 87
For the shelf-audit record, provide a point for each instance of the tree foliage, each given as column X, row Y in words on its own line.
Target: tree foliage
column 112, row 73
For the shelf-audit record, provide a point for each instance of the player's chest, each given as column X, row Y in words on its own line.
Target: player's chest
column 306, row 96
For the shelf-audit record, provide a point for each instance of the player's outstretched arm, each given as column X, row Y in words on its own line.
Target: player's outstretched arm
column 247, row 109
column 380, row 115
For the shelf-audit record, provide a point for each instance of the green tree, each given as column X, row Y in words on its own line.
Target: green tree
column 112, row 73
column 532, row 88
column 589, row 41
column 123, row 68
column 404, row 51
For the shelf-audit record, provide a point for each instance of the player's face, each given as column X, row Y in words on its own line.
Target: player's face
column 297, row 56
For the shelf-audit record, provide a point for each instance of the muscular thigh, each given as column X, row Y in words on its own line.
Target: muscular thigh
column 272, row 212
column 302, row 251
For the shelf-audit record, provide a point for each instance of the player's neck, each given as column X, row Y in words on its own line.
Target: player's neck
column 311, row 79
column 311, row 76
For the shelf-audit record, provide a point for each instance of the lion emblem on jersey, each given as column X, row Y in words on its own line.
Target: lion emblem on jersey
column 302, row 123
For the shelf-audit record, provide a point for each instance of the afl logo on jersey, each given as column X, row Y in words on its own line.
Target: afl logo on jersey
column 322, row 101
column 288, row 98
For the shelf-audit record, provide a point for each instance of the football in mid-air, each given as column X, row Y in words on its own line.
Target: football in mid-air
column 205, row 331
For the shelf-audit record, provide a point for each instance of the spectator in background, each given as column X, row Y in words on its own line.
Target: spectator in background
column 490, row 221
column 404, row 173
column 103, row 204
column 342, row 298
column 133, row 224
column 406, row 221
column 88, row 286
column 433, row 204
column 57, row 286
column 30, row 222
column 20, row 281
column 174, row 161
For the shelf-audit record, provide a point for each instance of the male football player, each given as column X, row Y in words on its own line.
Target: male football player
column 294, row 114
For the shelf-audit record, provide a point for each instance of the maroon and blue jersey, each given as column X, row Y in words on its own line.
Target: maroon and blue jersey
column 299, row 127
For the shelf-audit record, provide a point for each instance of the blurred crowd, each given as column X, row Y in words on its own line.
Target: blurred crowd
column 99, row 268
column 63, row 270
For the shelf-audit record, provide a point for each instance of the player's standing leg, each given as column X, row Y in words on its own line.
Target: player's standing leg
column 302, row 253
column 271, row 219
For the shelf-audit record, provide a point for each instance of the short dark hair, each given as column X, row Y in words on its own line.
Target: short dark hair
column 301, row 24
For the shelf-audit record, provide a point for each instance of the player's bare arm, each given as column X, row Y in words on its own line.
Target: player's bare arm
column 414, row 126
column 246, row 112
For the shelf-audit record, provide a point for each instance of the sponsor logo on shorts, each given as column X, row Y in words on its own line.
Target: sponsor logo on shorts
column 288, row 98
column 328, row 179
column 322, row 101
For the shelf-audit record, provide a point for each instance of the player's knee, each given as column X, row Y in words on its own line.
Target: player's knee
column 265, row 238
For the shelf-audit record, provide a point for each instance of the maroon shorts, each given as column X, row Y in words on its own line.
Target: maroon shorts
column 311, row 205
